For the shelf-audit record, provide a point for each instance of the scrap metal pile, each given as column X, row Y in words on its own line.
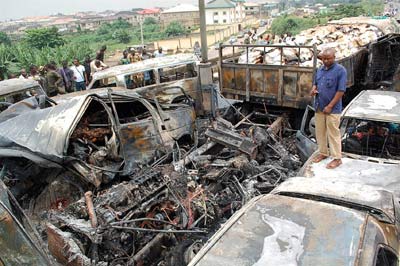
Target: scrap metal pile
column 345, row 39
column 161, row 214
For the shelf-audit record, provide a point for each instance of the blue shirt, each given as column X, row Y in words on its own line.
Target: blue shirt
column 328, row 82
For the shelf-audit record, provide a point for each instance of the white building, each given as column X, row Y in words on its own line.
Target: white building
column 188, row 15
column 224, row 11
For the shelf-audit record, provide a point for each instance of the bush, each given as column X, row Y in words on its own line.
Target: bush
column 175, row 29
column 122, row 36
column 4, row 39
column 45, row 37
column 292, row 24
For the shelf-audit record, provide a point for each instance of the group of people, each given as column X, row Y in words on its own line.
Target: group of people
column 132, row 55
column 68, row 77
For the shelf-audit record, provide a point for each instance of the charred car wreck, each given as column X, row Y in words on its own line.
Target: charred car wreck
column 95, row 136
column 131, row 181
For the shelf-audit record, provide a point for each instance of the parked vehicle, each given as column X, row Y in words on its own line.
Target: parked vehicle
column 94, row 136
column 15, row 90
column 284, row 77
column 309, row 222
column 161, row 70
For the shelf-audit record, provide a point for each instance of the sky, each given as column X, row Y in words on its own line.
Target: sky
column 14, row 9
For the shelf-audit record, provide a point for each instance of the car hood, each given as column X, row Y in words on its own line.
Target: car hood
column 280, row 230
column 368, row 171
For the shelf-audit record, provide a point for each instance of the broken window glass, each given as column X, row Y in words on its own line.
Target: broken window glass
column 177, row 72
column 372, row 138
column 140, row 79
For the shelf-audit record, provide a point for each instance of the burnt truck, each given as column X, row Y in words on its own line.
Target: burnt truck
column 281, row 75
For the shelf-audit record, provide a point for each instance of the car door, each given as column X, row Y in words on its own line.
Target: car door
column 138, row 131
column 305, row 137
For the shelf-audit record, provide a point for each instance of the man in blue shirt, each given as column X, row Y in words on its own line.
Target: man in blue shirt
column 329, row 85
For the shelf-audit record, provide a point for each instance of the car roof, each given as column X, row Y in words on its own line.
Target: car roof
column 14, row 85
column 375, row 105
column 159, row 62
column 45, row 131
column 281, row 230
column 330, row 188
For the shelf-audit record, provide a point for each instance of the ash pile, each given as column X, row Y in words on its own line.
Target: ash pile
column 164, row 212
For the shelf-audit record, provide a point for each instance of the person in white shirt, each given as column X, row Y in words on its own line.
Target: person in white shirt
column 159, row 53
column 80, row 77
column 23, row 75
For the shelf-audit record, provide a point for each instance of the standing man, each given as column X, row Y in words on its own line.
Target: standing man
column 23, row 74
column 54, row 81
column 100, row 53
column 159, row 53
column 86, row 64
column 67, row 76
column 124, row 60
column 80, row 76
column 329, row 86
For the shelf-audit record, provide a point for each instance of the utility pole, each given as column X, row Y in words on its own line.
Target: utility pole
column 141, row 29
column 203, row 32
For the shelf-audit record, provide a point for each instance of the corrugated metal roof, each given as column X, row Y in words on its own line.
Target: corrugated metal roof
column 220, row 4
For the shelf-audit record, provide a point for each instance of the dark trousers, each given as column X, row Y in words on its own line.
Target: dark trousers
column 80, row 86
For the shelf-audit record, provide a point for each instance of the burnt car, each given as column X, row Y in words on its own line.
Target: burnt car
column 94, row 136
column 15, row 90
column 165, row 70
column 310, row 222
column 370, row 127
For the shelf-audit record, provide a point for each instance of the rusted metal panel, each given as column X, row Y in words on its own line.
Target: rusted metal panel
column 228, row 78
column 240, row 79
column 290, row 83
column 140, row 141
column 271, row 82
column 64, row 248
column 257, row 81
column 233, row 140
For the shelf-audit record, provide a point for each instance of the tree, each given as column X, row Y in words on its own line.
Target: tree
column 175, row 29
column 150, row 21
column 45, row 37
column 120, row 24
column 4, row 39
column 122, row 36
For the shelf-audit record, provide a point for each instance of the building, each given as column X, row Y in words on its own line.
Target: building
column 252, row 9
column 187, row 15
column 224, row 11
column 149, row 13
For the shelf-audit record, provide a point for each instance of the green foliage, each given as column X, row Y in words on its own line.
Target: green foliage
column 120, row 24
column 150, row 21
column 44, row 37
column 15, row 57
column 4, row 39
column 175, row 29
column 292, row 24
column 122, row 36
column 364, row 7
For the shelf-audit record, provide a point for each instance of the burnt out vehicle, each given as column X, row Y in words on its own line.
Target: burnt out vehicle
column 94, row 136
column 310, row 222
column 180, row 68
column 15, row 90
column 370, row 127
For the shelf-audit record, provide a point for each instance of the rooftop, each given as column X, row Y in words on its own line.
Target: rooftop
column 375, row 105
column 182, row 8
column 220, row 4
